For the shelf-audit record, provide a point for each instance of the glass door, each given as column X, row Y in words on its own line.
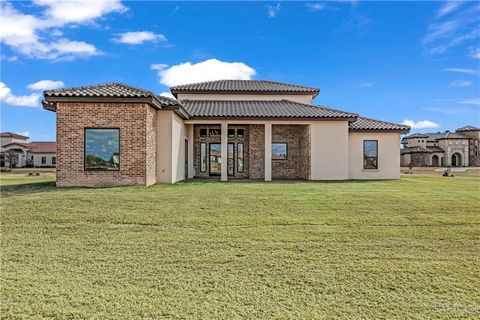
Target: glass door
column 215, row 159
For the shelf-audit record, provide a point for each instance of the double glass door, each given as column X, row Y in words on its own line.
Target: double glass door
column 215, row 168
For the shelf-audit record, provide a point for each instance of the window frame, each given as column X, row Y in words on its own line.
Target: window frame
column 43, row 160
column 234, row 133
column 54, row 160
column 241, row 158
column 85, row 148
column 363, row 156
column 206, row 157
column 286, row 151
column 242, row 135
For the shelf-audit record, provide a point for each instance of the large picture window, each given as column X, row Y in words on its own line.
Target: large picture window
column 370, row 154
column 279, row 151
column 102, row 149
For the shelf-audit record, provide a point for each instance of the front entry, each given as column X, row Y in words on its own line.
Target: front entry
column 456, row 160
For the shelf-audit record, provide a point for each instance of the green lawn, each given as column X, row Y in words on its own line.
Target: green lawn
column 406, row 249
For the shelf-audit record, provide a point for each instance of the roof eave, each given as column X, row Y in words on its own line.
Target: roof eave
column 54, row 100
column 401, row 131
column 272, row 118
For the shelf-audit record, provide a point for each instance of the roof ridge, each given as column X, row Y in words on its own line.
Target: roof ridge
column 244, row 80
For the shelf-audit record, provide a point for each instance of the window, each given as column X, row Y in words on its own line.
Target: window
column 370, row 154
column 54, row 160
column 230, row 160
column 279, row 151
column 102, row 149
column 240, row 133
column 44, row 160
column 203, row 133
column 203, row 157
column 231, row 133
column 240, row 163
column 214, row 132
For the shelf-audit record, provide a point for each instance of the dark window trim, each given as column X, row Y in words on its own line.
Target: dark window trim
column 200, row 133
column 286, row 144
column 85, row 148
column 54, row 160
column 364, row 157
column 243, row 157
column 243, row 134
column 234, row 133
column 43, row 160
column 206, row 156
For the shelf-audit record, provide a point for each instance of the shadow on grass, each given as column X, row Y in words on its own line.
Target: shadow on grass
column 27, row 188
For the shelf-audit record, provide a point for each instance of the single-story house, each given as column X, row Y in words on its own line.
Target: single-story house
column 116, row 134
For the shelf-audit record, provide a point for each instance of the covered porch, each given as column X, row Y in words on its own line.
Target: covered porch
column 249, row 150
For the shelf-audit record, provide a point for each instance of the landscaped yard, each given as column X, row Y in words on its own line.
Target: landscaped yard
column 366, row 250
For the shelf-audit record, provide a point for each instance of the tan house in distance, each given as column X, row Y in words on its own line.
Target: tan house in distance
column 36, row 154
column 116, row 134
column 442, row 149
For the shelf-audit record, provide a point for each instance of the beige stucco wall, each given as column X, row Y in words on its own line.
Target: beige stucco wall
column 37, row 159
column 171, row 135
column 329, row 150
column 301, row 98
column 388, row 155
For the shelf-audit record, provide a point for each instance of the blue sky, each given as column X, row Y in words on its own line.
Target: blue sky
column 396, row 61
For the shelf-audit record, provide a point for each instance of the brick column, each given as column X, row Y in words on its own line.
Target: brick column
column 268, row 152
column 224, row 153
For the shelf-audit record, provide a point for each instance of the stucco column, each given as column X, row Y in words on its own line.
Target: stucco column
column 465, row 158
column 224, row 152
column 449, row 157
column 268, row 152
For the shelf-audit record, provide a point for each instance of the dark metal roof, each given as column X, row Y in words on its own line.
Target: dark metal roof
column 366, row 124
column 468, row 128
column 416, row 149
column 261, row 109
column 244, row 86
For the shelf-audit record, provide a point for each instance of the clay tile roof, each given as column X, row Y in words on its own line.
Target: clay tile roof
column 416, row 149
column 260, row 109
column 366, row 124
column 435, row 149
column 416, row 135
column 108, row 90
column 12, row 135
column 468, row 128
column 37, row 146
column 243, row 86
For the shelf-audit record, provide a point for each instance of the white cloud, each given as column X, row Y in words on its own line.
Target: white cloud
column 139, row 37
column 420, row 124
column 25, row 133
column 273, row 10
column 35, row 35
column 448, row 7
column 7, row 97
column 363, row 85
column 46, row 85
column 316, row 6
column 461, row 83
column 168, row 95
column 461, row 70
column 461, row 27
column 475, row 53
column 207, row 70
column 474, row 101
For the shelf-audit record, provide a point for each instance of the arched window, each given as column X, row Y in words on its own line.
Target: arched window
column 435, row 161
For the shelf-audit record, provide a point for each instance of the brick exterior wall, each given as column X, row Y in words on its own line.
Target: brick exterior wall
column 420, row 159
column 257, row 151
column 197, row 140
column 297, row 164
column 137, row 148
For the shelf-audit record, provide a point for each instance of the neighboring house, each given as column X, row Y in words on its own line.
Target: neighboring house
column 459, row 149
column 116, row 134
column 31, row 154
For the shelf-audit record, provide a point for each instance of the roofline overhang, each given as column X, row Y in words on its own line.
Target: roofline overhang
column 286, row 119
column 50, row 103
column 401, row 131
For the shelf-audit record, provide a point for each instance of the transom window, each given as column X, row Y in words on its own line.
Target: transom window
column 279, row 151
column 102, row 149
column 370, row 154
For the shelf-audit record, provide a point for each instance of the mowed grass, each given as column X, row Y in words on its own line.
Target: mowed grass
column 406, row 249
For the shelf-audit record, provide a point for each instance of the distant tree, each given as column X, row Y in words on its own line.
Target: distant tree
column 11, row 158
